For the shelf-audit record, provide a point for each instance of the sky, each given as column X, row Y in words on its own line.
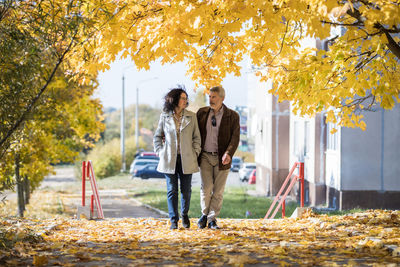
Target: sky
column 155, row 83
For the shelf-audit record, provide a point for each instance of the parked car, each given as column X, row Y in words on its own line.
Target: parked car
column 245, row 171
column 147, row 155
column 237, row 163
column 148, row 171
column 252, row 177
column 138, row 164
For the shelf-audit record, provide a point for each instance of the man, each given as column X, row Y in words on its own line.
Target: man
column 220, row 133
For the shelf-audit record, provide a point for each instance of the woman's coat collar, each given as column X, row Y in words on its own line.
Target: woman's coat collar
column 185, row 120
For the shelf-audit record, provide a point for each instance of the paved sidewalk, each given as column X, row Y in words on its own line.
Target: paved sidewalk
column 115, row 203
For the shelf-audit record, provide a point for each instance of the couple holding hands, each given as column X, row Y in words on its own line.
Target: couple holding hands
column 185, row 141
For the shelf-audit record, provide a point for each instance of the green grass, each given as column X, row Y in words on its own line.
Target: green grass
column 237, row 203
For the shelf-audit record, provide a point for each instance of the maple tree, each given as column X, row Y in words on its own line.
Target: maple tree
column 358, row 72
column 38, row 38
column 47, row 110
column 66, row 121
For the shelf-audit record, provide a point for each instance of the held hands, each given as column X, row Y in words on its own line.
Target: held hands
column 226, row 159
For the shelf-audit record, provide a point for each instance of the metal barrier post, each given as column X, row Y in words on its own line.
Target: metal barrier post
column 83, row 182
column 301, row 177
column 88, row 212
column 280, row 199
column 92, row 178
column 91, row 204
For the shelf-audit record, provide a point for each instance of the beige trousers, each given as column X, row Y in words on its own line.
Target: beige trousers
column 213, row 183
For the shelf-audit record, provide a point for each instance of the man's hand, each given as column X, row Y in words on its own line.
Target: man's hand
column 226, row 159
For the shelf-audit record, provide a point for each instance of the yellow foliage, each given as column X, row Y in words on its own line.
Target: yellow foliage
column 214, row 36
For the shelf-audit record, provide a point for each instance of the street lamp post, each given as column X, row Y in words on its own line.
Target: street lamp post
column 123, row 126
column 137, row 110
column 137, row 119
column 123, row 167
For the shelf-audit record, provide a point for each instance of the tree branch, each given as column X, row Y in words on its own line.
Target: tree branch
column 4, row 7
column 357, row 102
column 356, row 24
column 282, row 44
column 36, row 98
column 392, row 45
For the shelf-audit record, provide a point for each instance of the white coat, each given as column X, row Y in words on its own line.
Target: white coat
column 165, row 143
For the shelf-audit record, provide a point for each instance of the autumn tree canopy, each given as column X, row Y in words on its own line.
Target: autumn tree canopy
column 359, row 71
column 45, row 43
column 47, row 112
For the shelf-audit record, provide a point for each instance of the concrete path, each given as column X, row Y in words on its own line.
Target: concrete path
column 115, row 203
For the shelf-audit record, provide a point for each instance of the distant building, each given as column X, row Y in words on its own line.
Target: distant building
column 349, row 169
column 269, row 124
column 243, row 113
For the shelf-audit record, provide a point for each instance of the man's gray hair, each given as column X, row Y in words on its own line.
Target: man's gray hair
column 218, row 89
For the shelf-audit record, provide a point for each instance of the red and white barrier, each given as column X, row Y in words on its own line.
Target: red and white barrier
column 300, row 178
column 88, row 174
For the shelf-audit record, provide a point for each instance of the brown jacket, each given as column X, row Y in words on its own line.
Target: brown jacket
column 228, row 135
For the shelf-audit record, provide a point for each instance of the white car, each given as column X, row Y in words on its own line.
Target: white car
column 245, row 171
column 237, row 163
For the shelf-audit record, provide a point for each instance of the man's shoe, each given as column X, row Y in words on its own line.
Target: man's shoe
column 174, row 225
column 213, row 225
column 185, row 221
column 202, row 222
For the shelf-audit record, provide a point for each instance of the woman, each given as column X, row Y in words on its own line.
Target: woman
column 177, row 143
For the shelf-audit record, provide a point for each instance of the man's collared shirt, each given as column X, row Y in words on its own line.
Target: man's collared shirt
column 211, row 143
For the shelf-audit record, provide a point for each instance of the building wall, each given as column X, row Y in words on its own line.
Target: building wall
column 252, row 85
column 307, row 144
column 364, row 171
column 368, row 199
column 332, row 157
column 269, row 128
column 262, row 136
column 280, row 143
column 370, row 158
column 391, row 144
column 317, row 188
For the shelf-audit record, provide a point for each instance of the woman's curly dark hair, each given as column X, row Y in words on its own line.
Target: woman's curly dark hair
column 171, row 100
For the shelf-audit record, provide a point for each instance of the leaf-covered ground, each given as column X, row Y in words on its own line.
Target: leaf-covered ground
column 369, row 238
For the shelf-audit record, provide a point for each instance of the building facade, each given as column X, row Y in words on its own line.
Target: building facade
column 269, row 128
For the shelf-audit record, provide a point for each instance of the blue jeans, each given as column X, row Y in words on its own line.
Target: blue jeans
column 172, row 191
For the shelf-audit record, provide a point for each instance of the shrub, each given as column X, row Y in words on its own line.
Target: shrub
column 246, row 156
column 106, row 158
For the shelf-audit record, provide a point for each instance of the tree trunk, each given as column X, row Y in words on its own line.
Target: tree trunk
column 27, row 188
column 20, row 190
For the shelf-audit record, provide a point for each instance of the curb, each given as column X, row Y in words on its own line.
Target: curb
column 150, row 207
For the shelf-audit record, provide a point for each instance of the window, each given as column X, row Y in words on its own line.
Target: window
column 307, row 138
column 296, row 141
column 332, row 139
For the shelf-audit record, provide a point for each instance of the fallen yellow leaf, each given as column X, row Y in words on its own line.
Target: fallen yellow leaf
column 40, row 260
